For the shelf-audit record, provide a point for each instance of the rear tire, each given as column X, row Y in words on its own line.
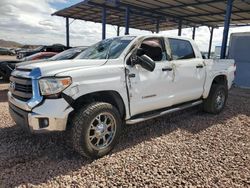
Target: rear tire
column 95, row 129
column 216, row 100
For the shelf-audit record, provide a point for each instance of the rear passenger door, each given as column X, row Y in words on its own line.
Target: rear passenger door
column 189, row 71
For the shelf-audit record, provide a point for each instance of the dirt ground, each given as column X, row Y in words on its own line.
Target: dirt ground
column 185, row 149
column 7, row 57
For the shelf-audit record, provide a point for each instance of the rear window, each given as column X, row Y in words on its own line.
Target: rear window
column 181, row 49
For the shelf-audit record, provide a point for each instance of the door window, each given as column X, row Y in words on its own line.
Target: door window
column 151, row 46
column 181, row 49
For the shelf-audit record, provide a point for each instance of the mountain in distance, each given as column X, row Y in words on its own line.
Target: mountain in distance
column 9, row 44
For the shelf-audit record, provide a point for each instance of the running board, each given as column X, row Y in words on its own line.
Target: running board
column 181, row 107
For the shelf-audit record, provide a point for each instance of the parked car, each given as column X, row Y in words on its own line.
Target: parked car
column 40, row 56
column 118, row 81
column 53, row 48
column 6, row 51
column 6, row 67
column 67, row 54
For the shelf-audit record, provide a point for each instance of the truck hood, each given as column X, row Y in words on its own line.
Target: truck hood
column 51, row 68
column 22, row 63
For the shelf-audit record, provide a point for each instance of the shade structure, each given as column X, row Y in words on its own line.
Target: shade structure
column 146, row 14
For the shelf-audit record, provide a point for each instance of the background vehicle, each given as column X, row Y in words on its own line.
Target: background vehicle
column 6, row 67
column 6, row 51
column 67, row 54
column 40, row 56
column 122, row 80
column 53, row 48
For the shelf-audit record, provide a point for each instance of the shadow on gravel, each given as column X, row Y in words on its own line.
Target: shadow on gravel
column 3, row 95
column 36, row 159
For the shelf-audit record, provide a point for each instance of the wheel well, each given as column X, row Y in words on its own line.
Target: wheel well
column 221, row 79
column 111, row 97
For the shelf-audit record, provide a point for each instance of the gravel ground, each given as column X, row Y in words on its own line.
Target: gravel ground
column 7, row 57
column 183, row 150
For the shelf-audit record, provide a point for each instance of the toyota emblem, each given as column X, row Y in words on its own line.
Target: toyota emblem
column 12, row 85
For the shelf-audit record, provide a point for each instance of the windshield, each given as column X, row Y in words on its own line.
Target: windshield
column 67, row 54
column 106, row 49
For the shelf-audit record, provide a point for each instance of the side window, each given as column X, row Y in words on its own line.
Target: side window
column 151, row 47
column 181, row 49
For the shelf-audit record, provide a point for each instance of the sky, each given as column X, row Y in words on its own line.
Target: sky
column 30, row 22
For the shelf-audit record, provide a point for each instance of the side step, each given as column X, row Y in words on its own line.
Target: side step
column 171, row 110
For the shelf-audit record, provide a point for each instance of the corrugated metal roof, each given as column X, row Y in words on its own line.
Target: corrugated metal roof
column 145, row 13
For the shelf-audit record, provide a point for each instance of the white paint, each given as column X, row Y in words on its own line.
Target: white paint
column 147, row 90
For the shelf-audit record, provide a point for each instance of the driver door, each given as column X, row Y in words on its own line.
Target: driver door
column 150, row 90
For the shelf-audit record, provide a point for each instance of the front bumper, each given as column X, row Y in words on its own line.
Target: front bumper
column 54, row 111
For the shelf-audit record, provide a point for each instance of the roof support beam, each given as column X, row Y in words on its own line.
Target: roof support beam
column 179, row 27
column 189, row 4
column 226, row 29
column 161, row 14
column 67, row 31
column 127, row 21
column 210, row 42
column 104, row 15
column 216, row 14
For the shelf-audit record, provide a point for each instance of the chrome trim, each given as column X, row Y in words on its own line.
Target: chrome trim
column 18, row 103
column 34, row 75
column 181, row 107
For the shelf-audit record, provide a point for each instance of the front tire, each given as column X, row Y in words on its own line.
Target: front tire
column 95, row 129
column 216, row 100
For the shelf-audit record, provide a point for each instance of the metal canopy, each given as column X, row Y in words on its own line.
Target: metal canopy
column 153, row 15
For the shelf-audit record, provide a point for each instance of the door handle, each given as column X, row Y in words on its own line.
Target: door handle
column 131, row 75
column 199, row 66
column 167, row 69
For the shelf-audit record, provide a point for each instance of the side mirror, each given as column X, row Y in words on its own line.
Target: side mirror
column 140, row 52
column 146, row 62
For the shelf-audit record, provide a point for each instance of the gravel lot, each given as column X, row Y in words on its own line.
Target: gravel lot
column 7, row 57
column 188, row 149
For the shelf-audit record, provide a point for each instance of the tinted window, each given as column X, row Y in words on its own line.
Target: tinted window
column 150, row 45
column 181, row 49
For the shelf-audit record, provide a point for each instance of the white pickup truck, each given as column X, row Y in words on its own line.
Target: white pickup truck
column 118, row 81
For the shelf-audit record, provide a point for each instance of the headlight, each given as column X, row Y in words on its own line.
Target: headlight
column 52, row 86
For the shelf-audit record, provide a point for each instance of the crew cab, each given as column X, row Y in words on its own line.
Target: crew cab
column 118, row 81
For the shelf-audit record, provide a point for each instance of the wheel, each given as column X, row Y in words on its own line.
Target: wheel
column 216, row 100
column 95, row 129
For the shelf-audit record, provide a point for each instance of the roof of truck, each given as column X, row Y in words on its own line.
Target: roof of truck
column 157, row 35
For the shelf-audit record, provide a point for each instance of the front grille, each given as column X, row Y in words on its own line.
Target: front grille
column 21, row 88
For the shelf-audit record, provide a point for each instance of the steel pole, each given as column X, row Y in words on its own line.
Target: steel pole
column 67, row 31
column 179, row 27
column 226, row 29
column 118, row 30
column 127, row 21
column 157, row 26
column 104, row 14
column 210, row 42
column 194, row 29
